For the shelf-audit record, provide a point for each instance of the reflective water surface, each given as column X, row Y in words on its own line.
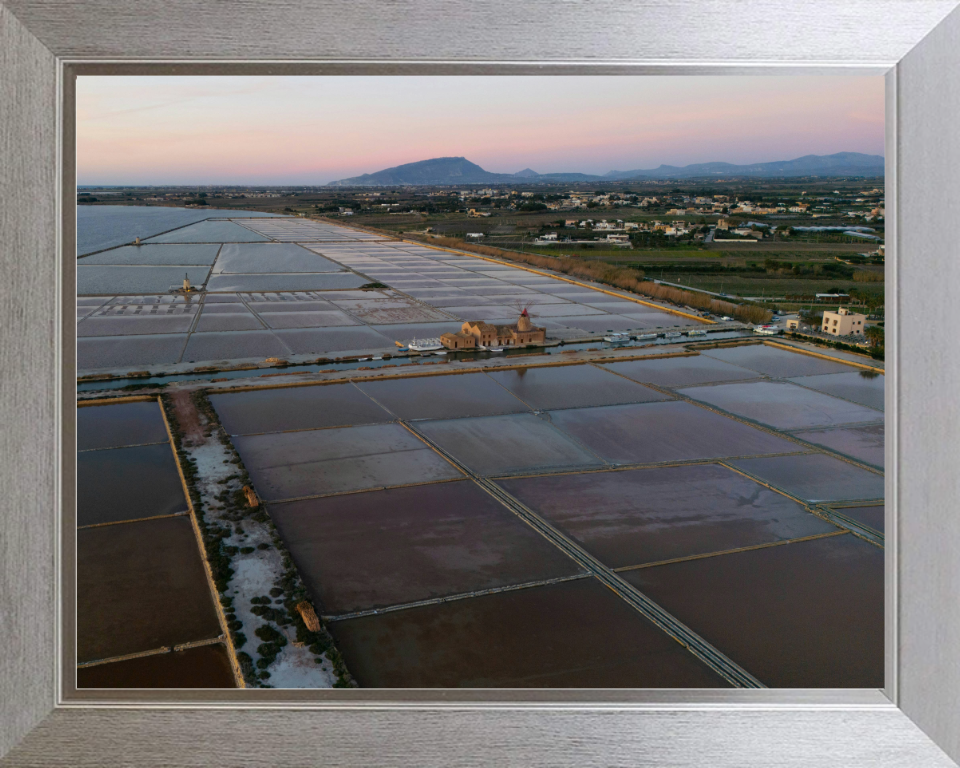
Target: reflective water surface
column 128, row 484
column 577, row 634
column 648, row 515
column 207, row 666
column 380, row 548
column 804, row 615
column 141, row 586
column 112, row 426
column 669, row 431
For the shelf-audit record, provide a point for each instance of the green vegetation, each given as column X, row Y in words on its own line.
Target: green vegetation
column 874, row 334
column 876, row 353
column 246, row 664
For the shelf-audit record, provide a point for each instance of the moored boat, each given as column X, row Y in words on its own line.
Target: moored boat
column 617, row 338
column 425, row 345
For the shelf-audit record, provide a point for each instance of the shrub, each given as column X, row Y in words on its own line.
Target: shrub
column 264, row 545
column 268, row 650
column 246, row 664
column 239, row 640
column 246, row 550
column 276, row 592
column 271, row 635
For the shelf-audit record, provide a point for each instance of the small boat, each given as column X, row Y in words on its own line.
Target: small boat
column 441, row 352
column 494, row 349
column 377, row 357
column 766, row 330
column 646, row 337
column 672, row 335
column 697, row 332
column 425, row 345
column 617, row 338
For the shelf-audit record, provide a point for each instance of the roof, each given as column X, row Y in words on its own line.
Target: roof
column 482, row 325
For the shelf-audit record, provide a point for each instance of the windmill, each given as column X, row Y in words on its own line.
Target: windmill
column 525, row 316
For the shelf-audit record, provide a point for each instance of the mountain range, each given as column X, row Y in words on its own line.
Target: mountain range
column 442, row 171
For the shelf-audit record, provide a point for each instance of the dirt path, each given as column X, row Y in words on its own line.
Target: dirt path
column 188, row 417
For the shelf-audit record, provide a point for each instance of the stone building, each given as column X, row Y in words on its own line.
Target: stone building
column 477, row 333
column 459, row 340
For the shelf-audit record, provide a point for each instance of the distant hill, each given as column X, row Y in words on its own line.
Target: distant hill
column 438, row 171
column 839, row 164
column 443, row 171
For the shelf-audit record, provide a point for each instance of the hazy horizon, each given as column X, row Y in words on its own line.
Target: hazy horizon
column 308, row 131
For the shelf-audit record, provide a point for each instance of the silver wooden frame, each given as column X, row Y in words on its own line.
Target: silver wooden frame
column 44, row 721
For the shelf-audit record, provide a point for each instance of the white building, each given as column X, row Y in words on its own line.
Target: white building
column 843, row 322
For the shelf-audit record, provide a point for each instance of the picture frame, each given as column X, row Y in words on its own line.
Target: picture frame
column 912, row 721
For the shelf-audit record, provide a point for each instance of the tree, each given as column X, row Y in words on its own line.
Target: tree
column 811, row 317
column 874, row 334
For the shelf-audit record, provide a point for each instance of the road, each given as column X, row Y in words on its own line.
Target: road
column 698, row 290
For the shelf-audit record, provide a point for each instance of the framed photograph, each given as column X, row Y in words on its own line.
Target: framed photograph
column 370, row 444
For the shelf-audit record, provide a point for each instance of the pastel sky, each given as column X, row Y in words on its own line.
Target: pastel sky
column 311, row 130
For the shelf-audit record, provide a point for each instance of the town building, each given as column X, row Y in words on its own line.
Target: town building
column 843, row 322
